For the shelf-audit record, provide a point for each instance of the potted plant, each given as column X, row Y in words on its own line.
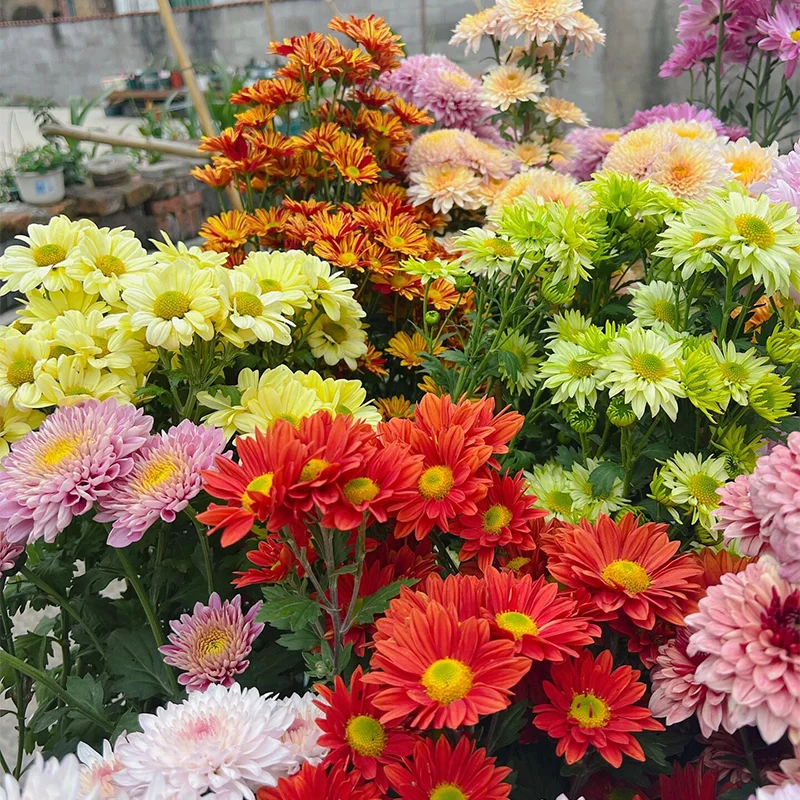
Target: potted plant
column 39, row 174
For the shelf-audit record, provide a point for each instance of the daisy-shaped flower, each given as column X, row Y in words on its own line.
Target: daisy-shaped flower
column 740, row 371
column 59, row 471
column 22, row 359
column 98, row 771
column 509, row 84
column 444, row 679
column 552, row 487
column 352, row 730
column 573, row 373
column 169, row 252
column 525, row 374
column 542, row 622
column 507, row 515
column 303, row 735
column 440, row 771
column 321, row 783
column 332, row 290
column 223, row 742
column 694, row 483
column 343, row 339
column 593, row 704
column 588, row 498
column 749, row 161
column 643, row 365
column 211, row 644
column 659, row 304
column 445, row 185
column 626, row 568
column 174, row 304
column 556, row 109
column 72, row 381
column 484, row 252
column 780, row 36
column 282, row 272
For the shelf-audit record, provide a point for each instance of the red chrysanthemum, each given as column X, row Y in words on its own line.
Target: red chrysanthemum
column 626, row 568
column 273, row 560
column 320, row 783
column 255, row 488
column 692, row 782
column 591, row 703
column 716, row 563
column 540, row 620
column 442, row 673
column 439, row 771
column 506, row 516
column 353, row 732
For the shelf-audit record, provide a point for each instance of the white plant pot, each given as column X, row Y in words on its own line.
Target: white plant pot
column 41, row 188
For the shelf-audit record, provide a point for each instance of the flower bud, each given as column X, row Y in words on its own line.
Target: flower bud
column 582, row 421
column 431, row 317
column 620, row 413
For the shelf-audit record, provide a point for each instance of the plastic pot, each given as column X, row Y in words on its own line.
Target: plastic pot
column 41, row 188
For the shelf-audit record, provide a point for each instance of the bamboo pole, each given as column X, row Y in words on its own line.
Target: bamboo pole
column 116, row 140
column 185, row 65
column 270, row 20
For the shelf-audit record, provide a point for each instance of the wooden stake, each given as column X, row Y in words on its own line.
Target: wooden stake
column 199, row 101
column 270, row 20
column 181, row 149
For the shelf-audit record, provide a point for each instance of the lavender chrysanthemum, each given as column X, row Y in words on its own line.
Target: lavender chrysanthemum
column 404, row 80
column 783, row 185
column 672, row 113
column 211, row 644
column 224, row 743
column 593, row 145
column 164, row 478
column 61, row 470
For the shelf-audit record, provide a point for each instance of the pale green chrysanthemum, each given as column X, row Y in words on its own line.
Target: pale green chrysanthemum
column 739, row 450
column 690, row 250
column 524, row 224
column 740, row 371
column 526, row 372
column 586, row 497
column 572, row 243
column 573, row 373
column 433, row 269
column 568, row 325
column 783, row 346
column 598, row 340
column 693, row 482
column 660, row 305
column 484, row 252
column 702, row 381
column 552, row 485
column 644, row 365
column 771, row 398
column 622, row 195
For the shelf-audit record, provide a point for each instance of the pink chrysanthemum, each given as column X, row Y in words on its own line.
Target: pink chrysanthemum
column 687, row 55
column 673, row 112
column 164, row 478
column 737, row 520
column 404, row 80
column 73, row 460
column 453, row 96
column 592, row 145
column 211, row 644
column 783, row 185
column 780, row 36
column 9, row 553
column 677, row 694
column 775, row 497
column 459, row 149
column 748, row 626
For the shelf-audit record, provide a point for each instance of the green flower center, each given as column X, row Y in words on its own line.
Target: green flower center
column 664, row 311
column 447, row 791
column 629, row 575
column 334, row 331
column 517, row 624
column 20, row 371
column 366, row 736
column 495, row 518
column 171, row 304
column 110, row 265
column 589, row 711
column 447, row 680
column 270, row 285
column 436, row 482
column 704, row 489
column 580, row 369
column 558, row 502
column 48, row 255
column 360, row 490
column 734, row 372
column 247, row 304
column 649, row 366
column 755, row 230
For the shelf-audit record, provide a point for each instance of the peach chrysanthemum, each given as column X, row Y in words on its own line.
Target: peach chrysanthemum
column 691, row 170
column 508, row 84
column 556, row 109
column 446, row 186
column 531, row 153
column 692, row 129
column 535, row 20
column 585, row 32
column 750, row 161
column 635, row 152
column 472, row 28
column 458, row 148
column 543, row 184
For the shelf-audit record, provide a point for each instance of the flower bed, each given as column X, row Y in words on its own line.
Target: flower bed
column 462, row 464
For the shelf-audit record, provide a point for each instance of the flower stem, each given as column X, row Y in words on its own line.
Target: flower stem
column 204, row 548
column 8, row 643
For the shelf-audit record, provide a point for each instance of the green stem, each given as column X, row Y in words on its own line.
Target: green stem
column 441, row 549
column 755, row 775
column 8, row 642
column 718, row 61
column 204, row 548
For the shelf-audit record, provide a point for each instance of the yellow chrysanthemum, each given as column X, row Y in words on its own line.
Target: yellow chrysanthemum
column 282, row 272
column 635, row 152
column 749, row 161
column 169, row 252
column 395, row 407
column 556, row 109
column 22, row 358
column 341, row 396
column 509, row 84
column 288, row 400
column 408, row 348
column 342, row 339
column 16, row 424
column 71, row 383
column 533, row 152
column 692, row 129
column 46, row 307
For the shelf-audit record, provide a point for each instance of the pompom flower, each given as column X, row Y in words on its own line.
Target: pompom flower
column 535, row 20
column 47, row 780
column 61, row 470
column 164, row 478
column 211, row 644
column 509, row 84
column 737, row 520
column 691, row 170
column 303, row 736
column 591, row 703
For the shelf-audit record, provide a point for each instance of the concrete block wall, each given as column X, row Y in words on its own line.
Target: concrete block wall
column 66, row 59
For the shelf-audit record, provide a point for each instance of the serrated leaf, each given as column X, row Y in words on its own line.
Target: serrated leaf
column 603, row 476
column 299, row 640
column 377, row 603
column 132, row 657
column 292, row 611
column 509, row 724
column 88, row 690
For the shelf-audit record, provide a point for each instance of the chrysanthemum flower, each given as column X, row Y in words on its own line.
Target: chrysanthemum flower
column 22, row 359
column 508, row 84
column 677, row 694
column 626, row 568
column 452, row 96
column 303, row 735
column 573, row 373
column 506, row 515
column 70, row 381
column 716, row 563
column 351, row 729
column 59, row 471
column 343, row 339
column 636, row 152
column 211, row 644
column 591, row 703
column 740, row 371
column 473, row 27
column 408, row 348
column 321, row 783
column 592, row 146
column 228, row 231
column 691, row 170
column 9, row 553
column 590, row 502
column 552, row 486
column 543, row 624
column 545, row 186
column 47, row 780
column 780, row 36
column 749, row 161
column 531, row 152
column 174, row 304
column 273, row 560
column 535, row 20
column 458, row 148
column 440, row 771
column 585, row 32
column 689, row 782
column 169, row 252
column 164, row 478
column 556, row 109
column 643, row 365
column 747, row 626
column 445, row 186
column 444, row 679
column 224, row 742
column 526, row 374
column 694, row 483
column 658, row 304
column 98, row 771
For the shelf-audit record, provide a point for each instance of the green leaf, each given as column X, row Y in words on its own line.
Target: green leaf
column 603, row 476
column 377, row 603
column 454, row 356
column 509, row 724
column 790, row 424
column 285, row 609
column 740, row 792
column 88, row 690
column 131, row 655
column 299, row 640
column 41, row 722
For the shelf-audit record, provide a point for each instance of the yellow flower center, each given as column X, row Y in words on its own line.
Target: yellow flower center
column 580, row 369
column 436, row 482
column 664, row 311
column 396, row 242
column 447, row 791
column 270, row 285
column 262, row 484
column 649, row 366
column 110, row 265
column 734, row 372
column 795, row 35
column 77, row 391
column 20, row 371
column 558, row 502
column 500, row 248
column 628, row 574
column 495, row 518
column 312, row 470
column 155, row 473
column 704, row 489
column 447, row 680
column 755, row 230
column 247, row 304
column 589, row 711
column 697, row 238
column 171, row 304
column 48, row 255
column 360, row 490
column 213, row 642
column 334, row 331
column 59, row 449
column 516, row 564
column 517, row 624
column 366, row 736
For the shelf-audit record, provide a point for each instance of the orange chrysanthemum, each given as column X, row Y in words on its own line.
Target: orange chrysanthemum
column 440, row 771
column 352, row 158
column 270, row 143
column 273, row 561
column 231, row 143
column 593, row 704
column 307, row 208
column 409, row 349
column 375, row 36
column 310, row 56
column 353, row 733
column 374, row 361
column 272, row 93
column 268, row 225
column 257, row 117
column 327, row 225
column 404, row 235
column 716, row 563
column 374, row 97
column 410, row 114
column 321, row 783
column 627, row 569
column 323, row 135
column 439, row 672
column 442, row 295
column 228, row 231
column 382, row 129
column 351, row 251
column 211, row 176
column 541, row 621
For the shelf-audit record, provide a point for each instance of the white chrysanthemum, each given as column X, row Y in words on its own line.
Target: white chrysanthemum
column 508, row 84
column 692, row 129
column 473, row 27
column 585, row 32
column 691, row 170
column 484, row 252
column 573, row 373
column 740, row 371
column 749, row 161
column 535, row 20
column 568, row 325
column 660, row 305
column 553, row 485
column 585, row 496
column 47, row 780
column 224, row 742
column 303, row 734
column 643, row 365
column 693, row 482
column 98, row 771
column 446, row 185
column 342, row 339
